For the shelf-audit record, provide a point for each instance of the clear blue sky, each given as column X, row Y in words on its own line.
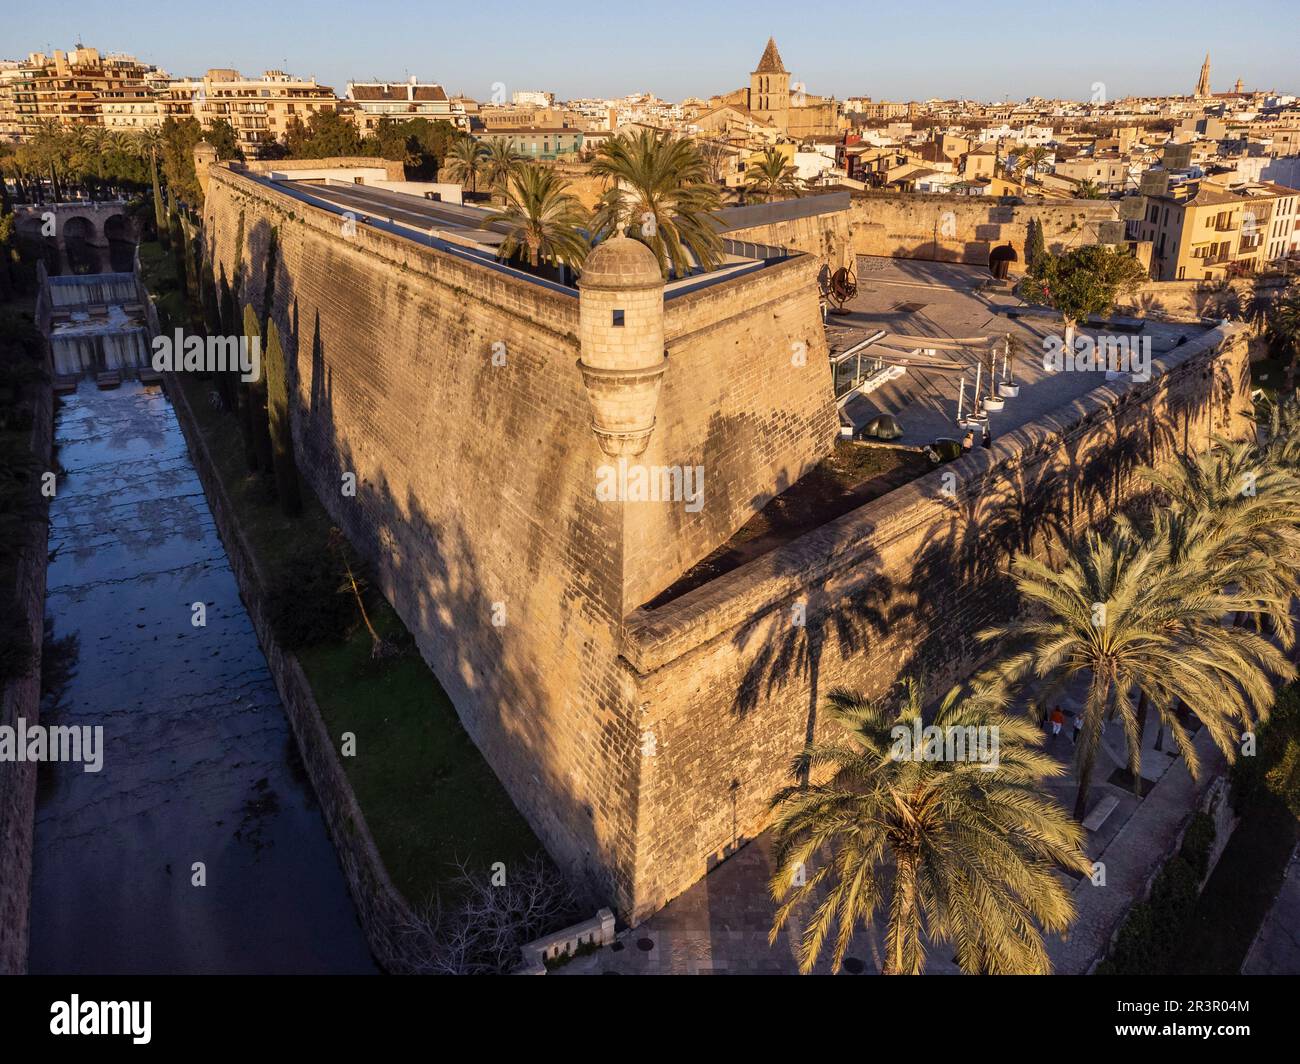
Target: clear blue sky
column 912, row 50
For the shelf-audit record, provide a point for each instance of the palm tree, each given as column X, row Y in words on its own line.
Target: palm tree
column 660, row 194
column 1284, row 332
column 148, row 142
column 1122, row 614
column 772, row 177
column 1280, row 420
column 1033, row 160
column 465, row 160
column 964, row 851
column 541, row 217
column 500, row 161
column 1244, row 505
column 1088, row 190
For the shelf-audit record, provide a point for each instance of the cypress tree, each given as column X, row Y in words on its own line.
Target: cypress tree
column 254, row 395
column 226, row 308
column 1035, row 246
column 177, row 242
column 246, row 398
column 212, row 326
column 268, row 282
column 281, row 433
column 229, row 326
column 159, row 215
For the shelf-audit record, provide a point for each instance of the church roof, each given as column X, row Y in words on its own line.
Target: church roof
column 771, row 61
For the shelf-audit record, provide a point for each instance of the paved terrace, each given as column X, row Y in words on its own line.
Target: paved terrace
column 909, row 299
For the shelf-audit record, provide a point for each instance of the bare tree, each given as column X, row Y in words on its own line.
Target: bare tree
column 481, row 930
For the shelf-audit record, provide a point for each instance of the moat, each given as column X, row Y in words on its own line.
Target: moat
column 199, row 763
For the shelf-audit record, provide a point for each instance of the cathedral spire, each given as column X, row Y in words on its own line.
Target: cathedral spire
column 1203, row 82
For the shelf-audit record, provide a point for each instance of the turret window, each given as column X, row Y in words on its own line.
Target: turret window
column 618, row 319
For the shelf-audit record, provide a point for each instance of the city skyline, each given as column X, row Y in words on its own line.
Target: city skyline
column 884, row 55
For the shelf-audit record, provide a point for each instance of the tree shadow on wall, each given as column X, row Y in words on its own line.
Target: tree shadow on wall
column 431, row 571
column 791, row 639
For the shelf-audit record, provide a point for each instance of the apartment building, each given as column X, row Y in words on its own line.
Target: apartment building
column 132, row 116
column 76, row 88
column 1206, row 232
column 376, row 100
column 534, row 142
column 1107, row 172
column 532, row 98
column 259, row 110
column 11, row 76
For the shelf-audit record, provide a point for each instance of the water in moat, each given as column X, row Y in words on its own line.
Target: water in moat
column 199, row 764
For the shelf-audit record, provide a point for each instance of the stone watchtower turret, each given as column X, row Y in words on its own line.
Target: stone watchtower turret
column 204, row 156
column 621, row 321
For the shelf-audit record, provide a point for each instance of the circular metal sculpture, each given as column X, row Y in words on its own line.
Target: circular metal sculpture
column 841, row 287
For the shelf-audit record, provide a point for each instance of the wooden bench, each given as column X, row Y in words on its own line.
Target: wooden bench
column 1094, row 820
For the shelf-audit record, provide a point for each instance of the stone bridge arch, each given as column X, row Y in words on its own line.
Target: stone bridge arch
column 89, row 225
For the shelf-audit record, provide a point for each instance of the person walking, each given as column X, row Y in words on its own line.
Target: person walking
column 1078, row 727
column 1058, row 718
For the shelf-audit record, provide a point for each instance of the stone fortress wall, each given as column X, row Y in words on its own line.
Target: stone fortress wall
column 643, row 745
column 21, row 698
column 733, row 672
column 966, row 229
column 476, row 483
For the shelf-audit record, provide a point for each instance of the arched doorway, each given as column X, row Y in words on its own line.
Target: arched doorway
column 1000, row 260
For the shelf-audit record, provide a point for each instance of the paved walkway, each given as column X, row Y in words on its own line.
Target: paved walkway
column 1276, row 949
column 720, row 925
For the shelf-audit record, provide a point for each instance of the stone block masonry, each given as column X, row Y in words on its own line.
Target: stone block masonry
column 22, row 698
column 732, row 674
column 950, row 228
column 642, row 745
column 476, row 477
